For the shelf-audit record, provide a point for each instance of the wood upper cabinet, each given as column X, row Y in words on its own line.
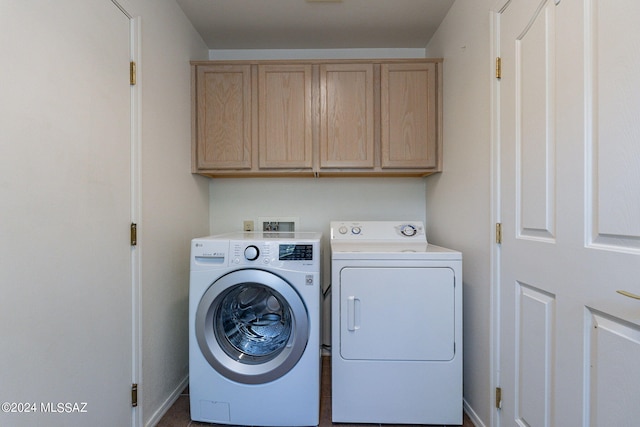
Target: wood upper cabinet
column 346, row 116
column 223, row 112
column 285, row 116
column 317, row 118
column 409, row 115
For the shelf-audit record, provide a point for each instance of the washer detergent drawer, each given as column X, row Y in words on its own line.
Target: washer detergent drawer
column 389, row 313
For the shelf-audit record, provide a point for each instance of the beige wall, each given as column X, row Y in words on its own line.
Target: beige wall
column 459, row 200
column 174, row 203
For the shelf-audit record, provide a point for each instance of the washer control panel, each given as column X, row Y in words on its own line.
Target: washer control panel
column 377, row 230
column 300, row 252
column 272, row 253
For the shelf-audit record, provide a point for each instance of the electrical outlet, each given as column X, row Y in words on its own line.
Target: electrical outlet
column 247, row 225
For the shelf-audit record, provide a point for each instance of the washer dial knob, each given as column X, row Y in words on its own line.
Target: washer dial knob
column 408, row 230
column 356, row 230
column 251, row 253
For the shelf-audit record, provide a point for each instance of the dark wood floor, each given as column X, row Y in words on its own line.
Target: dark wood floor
column 178, row 414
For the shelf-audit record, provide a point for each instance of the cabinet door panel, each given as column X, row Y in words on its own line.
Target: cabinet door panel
column 347, row 117
column 224, row 117
column 284, row 116
column 408, row 115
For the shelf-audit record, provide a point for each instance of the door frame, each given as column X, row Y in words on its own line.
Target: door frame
column 495, row 213
column 135, row 49
column 136, row 215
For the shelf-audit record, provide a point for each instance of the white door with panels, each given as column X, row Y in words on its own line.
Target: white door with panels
column 65, row 185
column 569, row 102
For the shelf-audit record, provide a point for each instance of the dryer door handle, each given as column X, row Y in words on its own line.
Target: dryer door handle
column 353, row 313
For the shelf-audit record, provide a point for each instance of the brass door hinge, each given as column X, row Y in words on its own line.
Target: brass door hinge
column 498, row 398
column 134, row 234
column 498, row 232
column 132, row 73
column 134, row 395
column 498, row 68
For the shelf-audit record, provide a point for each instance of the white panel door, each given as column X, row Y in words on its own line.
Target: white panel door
column 570, row 208
column 65, row 189
column 397, row 313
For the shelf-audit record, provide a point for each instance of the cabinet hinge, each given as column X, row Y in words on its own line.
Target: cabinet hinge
column 132, row 73
column 498, row 398
column 498, row 232
column 134, row 395
column 498, row 67
column 134, row 234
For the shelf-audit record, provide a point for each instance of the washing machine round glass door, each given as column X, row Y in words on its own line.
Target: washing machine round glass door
column 252, row 326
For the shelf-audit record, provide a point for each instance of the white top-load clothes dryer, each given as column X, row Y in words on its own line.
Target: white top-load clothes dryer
column 396, row 325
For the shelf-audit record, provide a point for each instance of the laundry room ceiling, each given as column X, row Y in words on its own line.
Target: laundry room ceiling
column 315, row 24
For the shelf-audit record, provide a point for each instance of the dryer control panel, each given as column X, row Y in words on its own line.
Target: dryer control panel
column 378, row 231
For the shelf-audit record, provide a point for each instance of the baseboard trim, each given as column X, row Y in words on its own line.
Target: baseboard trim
column 475, row 419
column 168, row 403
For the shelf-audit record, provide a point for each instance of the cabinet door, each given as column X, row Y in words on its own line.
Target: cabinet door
column 284, row 116
column 223, row 117
column 346, row 116
column 409, row 115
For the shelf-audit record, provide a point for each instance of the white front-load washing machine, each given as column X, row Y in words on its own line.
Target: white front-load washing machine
column 396, row 325
column 254, row 329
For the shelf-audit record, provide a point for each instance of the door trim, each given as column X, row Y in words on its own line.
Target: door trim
column 135, row 55
column 495, row 214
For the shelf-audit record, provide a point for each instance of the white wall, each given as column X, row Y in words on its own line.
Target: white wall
column 175, row 203
column 459, row 199
column 316, row 202
column 260, row 54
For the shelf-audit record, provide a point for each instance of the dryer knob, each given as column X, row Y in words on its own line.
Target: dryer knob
column 251, row 253
column 408, row 230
